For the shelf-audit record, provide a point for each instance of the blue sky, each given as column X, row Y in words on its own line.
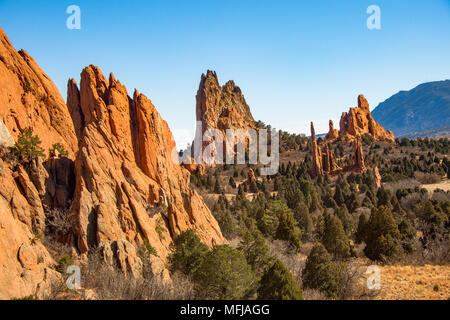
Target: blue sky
column 295, row 61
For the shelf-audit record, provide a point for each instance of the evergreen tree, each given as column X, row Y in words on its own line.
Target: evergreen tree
column 321, row 273
column 382, row 237
column 361, row 230
column 278, row 284
column 27, row 147
column 225, row 275
column 339, row 196
column 305, row 223
column 346, row 219
column 335, row 240
column 187, row 252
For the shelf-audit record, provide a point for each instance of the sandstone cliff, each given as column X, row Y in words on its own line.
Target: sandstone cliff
column 128, row 187
column 28, row 98
column 123, row 188
column 220, row 108
column 359, row 121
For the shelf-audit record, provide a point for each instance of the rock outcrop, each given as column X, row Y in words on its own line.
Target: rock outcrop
column 250, row 176
column 377, row 176
column 129, row 187
column 316, row 154
column 358, row 156
column 219, row 108
column 332, row 132
column 359, row 121
column 28, row 98
column 323, row 160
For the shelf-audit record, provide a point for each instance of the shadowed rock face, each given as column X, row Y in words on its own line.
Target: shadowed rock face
column 359, row 121
column 128, row 186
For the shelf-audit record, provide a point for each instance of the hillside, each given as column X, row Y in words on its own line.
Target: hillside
column 425, row 107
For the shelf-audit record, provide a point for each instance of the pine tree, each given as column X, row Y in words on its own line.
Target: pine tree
column 321, row 273
column 382, row 237
column 361, row 230
column 305, row 223
column 232, row 183
column 346, row 219
column 278, row 284
column 27, row 147
column 338, row 195
column 217, row 187
column 335, row 240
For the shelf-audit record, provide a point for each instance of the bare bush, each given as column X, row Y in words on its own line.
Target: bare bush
column 402, row 184
column 427, row 178
column 293, row 261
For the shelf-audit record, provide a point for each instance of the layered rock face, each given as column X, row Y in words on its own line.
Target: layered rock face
column 359, row 121
column 28, row 98
column 220, row 108
column 129, row 188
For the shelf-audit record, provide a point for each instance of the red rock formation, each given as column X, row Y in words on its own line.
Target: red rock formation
column 377, row 176
column 359, row 121
column 128, row 184
column 220, row 108
column 317, row 169
column 329, row 161
column 28, row 98
column 332, row 133
column 250, row 176
column 358, row 155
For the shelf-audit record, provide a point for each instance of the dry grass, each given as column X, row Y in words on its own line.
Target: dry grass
column 415, row 282
column 444, row 185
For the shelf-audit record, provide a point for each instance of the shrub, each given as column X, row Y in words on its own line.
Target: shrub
column 59, row 149
column 277, row 283
column 335, row 240
column 253, row 247
column 63, row 263
column 187, row 252
column 224, row 274
column 146, row 250
column 27, row 147
column 382, row 237
column 321, row 273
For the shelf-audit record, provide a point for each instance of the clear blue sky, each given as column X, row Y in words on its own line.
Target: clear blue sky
column 295, row 61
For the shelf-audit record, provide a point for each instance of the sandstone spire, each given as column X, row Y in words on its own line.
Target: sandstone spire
column 358, row 155
column 316, row 154
column 127, row 180
column 332, row 133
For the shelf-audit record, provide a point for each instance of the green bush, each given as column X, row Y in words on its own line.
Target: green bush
column 187, row 252
column 322, row 274
column 277, row 283
column 59, row 148
column 63, row 263
column 146, row 250
column 224, row 274
column 382, row 236
column 27, row 147
column 335, row 240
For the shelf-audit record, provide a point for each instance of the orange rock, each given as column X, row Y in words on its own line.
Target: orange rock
column 250, row 176
column 332, row 133
column 128, row 187
column 359, row 121
column 220, row 108
column 377, row 176
column 358, row 155
column 28, row 98
column 317, row 169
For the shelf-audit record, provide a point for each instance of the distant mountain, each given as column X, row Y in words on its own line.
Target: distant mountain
column 422, row 109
